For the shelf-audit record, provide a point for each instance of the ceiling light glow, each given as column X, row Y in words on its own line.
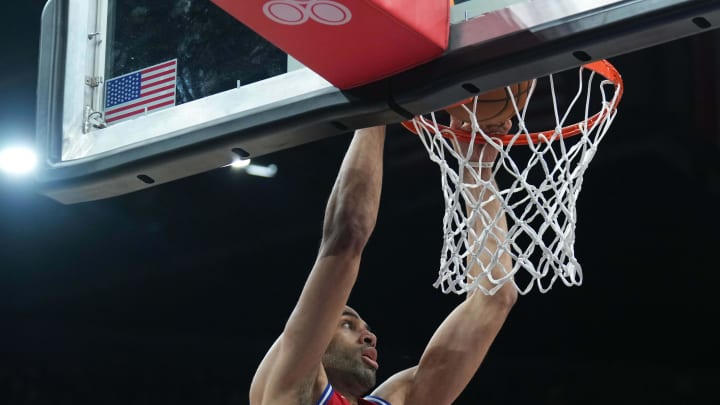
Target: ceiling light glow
column 17, row 160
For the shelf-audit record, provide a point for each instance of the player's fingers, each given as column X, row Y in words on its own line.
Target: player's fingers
column 507, row 125
column 455, row 123
column 497, row 129
column 488, row 153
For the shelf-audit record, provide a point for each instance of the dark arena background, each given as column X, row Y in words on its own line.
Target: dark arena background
column 172, row 295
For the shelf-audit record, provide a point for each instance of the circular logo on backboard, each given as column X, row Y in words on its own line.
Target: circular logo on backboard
column 296, row 12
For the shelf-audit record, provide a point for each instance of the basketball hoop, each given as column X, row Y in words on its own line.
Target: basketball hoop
column 542, row 177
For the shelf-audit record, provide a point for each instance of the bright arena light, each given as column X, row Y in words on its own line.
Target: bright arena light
column 255, row 170
column 240, row 163
column 262, row 171
column 17, row 160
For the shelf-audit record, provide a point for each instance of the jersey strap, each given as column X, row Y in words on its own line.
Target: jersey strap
column 330, row 397
column 376, row 400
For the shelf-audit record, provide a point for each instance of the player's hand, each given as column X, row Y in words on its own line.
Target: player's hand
column 489, row 128
column 481, row 153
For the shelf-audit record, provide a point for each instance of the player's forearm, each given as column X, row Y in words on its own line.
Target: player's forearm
column 352, row 209
column 458, row 347
column 496, row 222
column 462, row 341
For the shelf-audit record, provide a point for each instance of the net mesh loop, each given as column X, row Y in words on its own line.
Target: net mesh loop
column 540, row 176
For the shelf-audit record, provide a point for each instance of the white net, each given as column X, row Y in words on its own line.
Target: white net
column 537, row 180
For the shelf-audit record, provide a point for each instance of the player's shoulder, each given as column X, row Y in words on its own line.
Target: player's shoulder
column 270, row 387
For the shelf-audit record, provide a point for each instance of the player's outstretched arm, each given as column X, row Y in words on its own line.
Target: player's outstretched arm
column 460, row 344
column 291, row 371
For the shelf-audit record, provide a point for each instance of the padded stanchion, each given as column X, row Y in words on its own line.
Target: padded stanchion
column 350, row 42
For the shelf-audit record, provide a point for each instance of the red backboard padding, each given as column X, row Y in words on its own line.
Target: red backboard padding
column 349, row 42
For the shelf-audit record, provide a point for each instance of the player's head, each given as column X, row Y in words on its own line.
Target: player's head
column 351, row 358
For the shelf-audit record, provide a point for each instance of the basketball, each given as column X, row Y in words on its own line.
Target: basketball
column 494, row 106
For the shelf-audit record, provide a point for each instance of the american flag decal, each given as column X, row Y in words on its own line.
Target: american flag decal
column 137, row 93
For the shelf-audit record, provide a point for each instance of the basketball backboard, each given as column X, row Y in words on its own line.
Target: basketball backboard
column 216, row 91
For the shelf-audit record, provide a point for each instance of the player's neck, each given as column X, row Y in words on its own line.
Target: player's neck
column 353, row 399
column 348, row 390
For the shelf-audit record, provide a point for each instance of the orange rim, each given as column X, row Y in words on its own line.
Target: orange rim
column 601, row 67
